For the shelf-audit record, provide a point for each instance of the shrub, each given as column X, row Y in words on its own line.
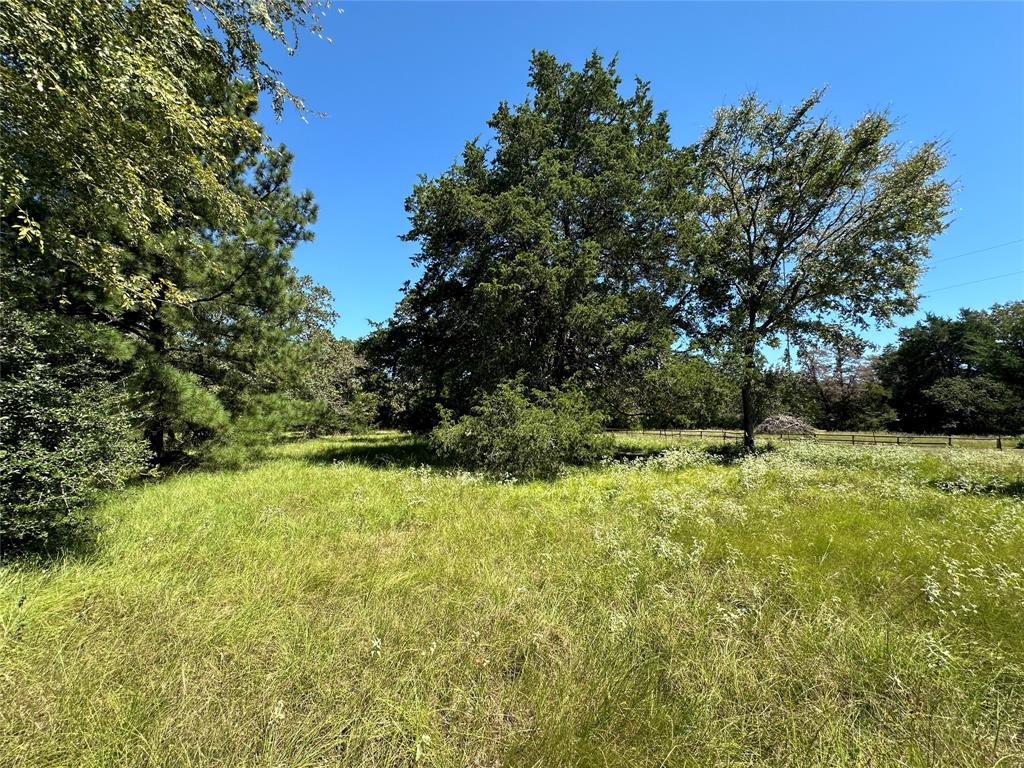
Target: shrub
column 65, row 432
column 248, row 436
column 523, row 434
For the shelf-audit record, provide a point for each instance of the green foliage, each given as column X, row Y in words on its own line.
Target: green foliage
column 66, row 431
column 261, row 421
column 809, row 231
column 523, row 434
column 776, row 390
column 545, row 258
column 845, row 390
column 119, row 131
column 139, row 193
column 585, row 242
column 335, row 388
column 229, row 320
column 241, row 334
column 964, row 374
column 976, row 405
column 682, row 391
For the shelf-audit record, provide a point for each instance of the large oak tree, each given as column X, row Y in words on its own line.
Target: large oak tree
column 809, row 231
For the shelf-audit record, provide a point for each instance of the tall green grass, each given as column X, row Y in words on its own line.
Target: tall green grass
column 347, row 604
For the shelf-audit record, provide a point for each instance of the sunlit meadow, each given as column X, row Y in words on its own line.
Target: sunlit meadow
column 347, row 603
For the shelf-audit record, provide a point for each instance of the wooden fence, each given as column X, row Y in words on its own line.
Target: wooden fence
column 847, row 438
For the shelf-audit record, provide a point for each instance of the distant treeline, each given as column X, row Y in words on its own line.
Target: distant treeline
column 961, row 375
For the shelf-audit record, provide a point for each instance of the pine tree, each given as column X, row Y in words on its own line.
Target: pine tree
column 224, row 354
column 219, row 341
column 546, row 256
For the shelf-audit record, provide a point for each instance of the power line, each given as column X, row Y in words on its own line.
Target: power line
column 972, row 282
column 980, row 250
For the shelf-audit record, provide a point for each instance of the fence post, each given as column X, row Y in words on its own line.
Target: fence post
column 897, row 439
column 999, row 442
column 949, row 440
column 853, row 439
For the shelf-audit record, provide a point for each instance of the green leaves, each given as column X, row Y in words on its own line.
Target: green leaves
column 963, row 374
column 66, row 430
column 521, row 434
column 121, row 123
column 809, row 231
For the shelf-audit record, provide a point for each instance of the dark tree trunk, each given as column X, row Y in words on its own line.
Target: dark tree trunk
column 155, row 436
column 156, row 333
column 749, row 376
column 747, row 393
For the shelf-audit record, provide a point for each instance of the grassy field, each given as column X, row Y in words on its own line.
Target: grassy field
column 347, row 604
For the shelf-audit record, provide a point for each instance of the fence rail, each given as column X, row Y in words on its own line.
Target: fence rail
column 847, row 438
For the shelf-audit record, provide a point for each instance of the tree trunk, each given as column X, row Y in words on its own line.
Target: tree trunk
column 749, row 377
column 747, row 393
column 156, row 332
column 155, row 436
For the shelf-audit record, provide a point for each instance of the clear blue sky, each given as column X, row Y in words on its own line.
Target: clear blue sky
column 404, row 85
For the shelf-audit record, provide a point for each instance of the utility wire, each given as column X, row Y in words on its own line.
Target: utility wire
column 980, row 250
column 972, row 282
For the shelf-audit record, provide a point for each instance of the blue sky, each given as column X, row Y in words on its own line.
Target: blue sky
column 404, row 85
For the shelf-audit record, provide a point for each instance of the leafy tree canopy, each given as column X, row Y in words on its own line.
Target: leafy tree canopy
column 844, row 389
column 118, row 130
column 809, row 231
column 146, row 232
column 962, row 374
column 221, row 335
column 335, row 387
column 240, row 334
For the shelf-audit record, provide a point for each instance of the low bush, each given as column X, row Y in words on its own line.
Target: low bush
column 523, row 434
column 66, row 433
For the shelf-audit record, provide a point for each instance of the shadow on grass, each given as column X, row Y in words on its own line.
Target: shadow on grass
column 407, row 451
column 730, row 453
column 78, row 543
column 1015, row 489
column 724, row 455
column 383, row 451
